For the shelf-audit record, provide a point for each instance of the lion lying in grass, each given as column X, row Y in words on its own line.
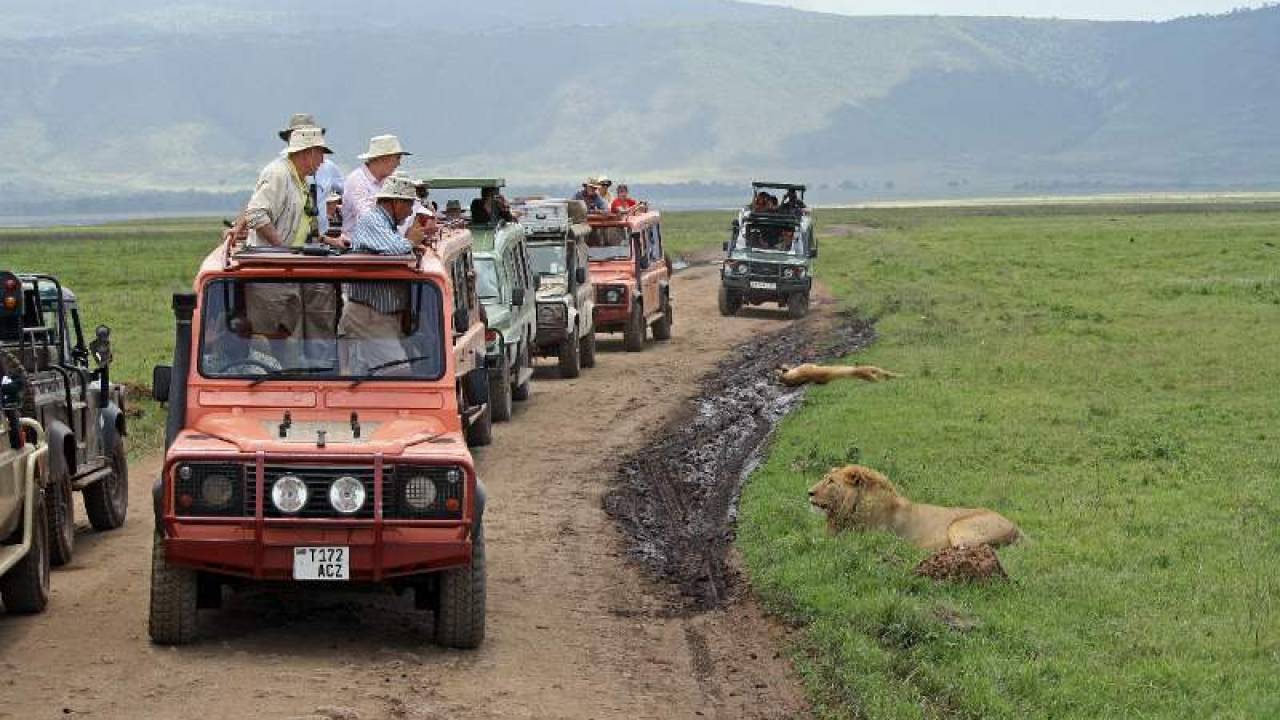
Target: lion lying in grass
column 860, row 498
column 823, row 374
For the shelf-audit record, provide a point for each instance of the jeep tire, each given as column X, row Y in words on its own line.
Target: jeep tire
column 480, row 432
column 106, row 502
column 729, row 304
column 570, row 357
column 662, row 328
column 60, row 505
column 523, row 391
column 633, row 333
column 174, row 595
column 798, row 305
column 25, row 588
column 500, row 392
column 588, row 349
column 460, row 611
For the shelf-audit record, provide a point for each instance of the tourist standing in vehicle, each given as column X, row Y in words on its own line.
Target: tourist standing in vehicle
column 624, row 201
column 369, row 334
column 604, row 184
column 361, row 187
column 282, row 212
column 490, row 207
column 327, row 178
column 590, row 194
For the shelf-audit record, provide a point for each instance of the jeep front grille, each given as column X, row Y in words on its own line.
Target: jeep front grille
column 764, row 269
column 396, row 483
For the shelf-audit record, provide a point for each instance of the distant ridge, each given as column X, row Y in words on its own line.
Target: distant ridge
column 143, row 97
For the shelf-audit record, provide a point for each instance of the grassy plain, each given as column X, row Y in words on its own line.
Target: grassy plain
column 1103, row 376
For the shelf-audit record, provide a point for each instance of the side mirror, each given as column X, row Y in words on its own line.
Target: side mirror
column 580, row 275
column 537, row 282
column 101, row 346
column 517, row 296
column 724, row 247
column 461, row 320
column 813, row 252
column 161, row 377
column 644, row 262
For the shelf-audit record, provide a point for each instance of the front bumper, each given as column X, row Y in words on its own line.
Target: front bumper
column 783, row 287
column 259, row 547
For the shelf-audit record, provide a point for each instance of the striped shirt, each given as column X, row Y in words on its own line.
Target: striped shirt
column 376, row 233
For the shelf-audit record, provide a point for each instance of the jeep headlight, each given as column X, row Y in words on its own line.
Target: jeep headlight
column 347, row 495
column 793, row 272
column 217, row 492
column 420, row 493
column 742, row 268
column 289, row 494
column 613, row 296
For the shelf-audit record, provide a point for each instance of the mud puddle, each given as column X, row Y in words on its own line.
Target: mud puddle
column 677, row 498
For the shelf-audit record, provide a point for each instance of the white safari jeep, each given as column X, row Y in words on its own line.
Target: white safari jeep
column 24, row 524
column 557, row 233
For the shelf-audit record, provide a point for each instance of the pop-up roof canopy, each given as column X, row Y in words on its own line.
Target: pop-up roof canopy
column 763, row 185
column 464, row 183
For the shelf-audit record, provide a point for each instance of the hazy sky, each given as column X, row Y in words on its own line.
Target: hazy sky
column 1076, row 9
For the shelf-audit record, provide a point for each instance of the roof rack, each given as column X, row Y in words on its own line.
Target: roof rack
column 463, row 183
column 638, row 209
column 765, row 185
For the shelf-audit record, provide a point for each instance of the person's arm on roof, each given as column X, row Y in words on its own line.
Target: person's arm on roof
column 268, row 197
column 376, row 233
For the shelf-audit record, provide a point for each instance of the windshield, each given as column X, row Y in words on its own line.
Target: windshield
column 487, row 279
column 547, row 259
column 608, row 243
column 375, row 330
column 771, row 238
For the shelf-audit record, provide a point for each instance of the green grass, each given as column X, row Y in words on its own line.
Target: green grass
column 124, row 276
column 1104, row 377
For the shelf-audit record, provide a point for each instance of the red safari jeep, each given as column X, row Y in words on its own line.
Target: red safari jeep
column 631, row 274
column 314, row 438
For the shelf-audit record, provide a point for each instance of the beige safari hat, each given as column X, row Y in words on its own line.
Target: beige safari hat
column 397, row 187
column 382, row 146
column 298, row 120
column 305, row 138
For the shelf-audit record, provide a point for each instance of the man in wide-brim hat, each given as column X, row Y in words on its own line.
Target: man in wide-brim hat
column 327, row 178
column 371, row 328
column 282, row 207
column 362, row 184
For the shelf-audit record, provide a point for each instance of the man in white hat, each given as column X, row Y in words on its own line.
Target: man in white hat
column 282, row 210
column 369, row 333
column 362, row 185
column 328, row 177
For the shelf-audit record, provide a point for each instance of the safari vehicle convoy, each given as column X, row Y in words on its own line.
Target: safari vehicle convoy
column 296, row 456
column 769, row 256
column 24, row 524
column 503, row 282
column 631, row 275
column 43, row 350
column 557, row 239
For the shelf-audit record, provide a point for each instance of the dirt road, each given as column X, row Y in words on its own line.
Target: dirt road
column 575, row 631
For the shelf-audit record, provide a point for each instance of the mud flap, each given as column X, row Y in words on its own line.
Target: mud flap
column 113, row 426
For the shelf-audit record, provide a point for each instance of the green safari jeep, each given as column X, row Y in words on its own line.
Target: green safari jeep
column 506, row 286
column 769, row 257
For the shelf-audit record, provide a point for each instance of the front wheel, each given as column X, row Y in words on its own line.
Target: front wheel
column 25, row 588
column 106, row 502
column 61, row 508
column 798, row 305
column 570, row 358
column 662, row 328
column 729, row 304
column 174, row 599
column 480, row 431
column 633, row 333
column 460, row 612
column 588, row 349
column 500, row 392
column 523, row 391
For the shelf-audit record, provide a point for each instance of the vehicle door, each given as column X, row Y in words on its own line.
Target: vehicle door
column 468, row 338
column 528, row 280
column 584, row 292
column 73, row 379
column 513, row 282
column 78, row 351
column 655, row 273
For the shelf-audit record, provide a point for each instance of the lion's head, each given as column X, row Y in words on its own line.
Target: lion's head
column 852, row 495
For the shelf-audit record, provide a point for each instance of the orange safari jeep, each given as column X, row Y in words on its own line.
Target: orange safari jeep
column 631, row 274
column 314, row 436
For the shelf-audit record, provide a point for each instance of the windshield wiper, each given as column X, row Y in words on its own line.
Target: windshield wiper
column 394, row 363
column 290, row 371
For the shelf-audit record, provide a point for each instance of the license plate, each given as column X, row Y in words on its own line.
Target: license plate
column 322, row 563
column 763, row 285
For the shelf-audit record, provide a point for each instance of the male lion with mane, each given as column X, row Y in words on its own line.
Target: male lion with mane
column 860, row 498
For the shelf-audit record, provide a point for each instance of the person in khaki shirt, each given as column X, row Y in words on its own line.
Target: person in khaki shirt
column 298, row 320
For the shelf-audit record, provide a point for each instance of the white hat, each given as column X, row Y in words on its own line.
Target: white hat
column 296, row 121
column 397, row 187
column 382, row 146
column 305, row 138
